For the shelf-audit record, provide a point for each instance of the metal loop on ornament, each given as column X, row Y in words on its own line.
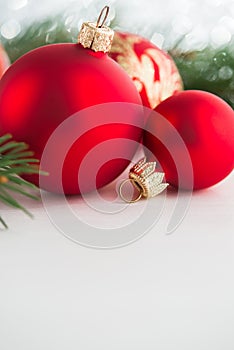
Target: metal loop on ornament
column 136, row 186
column 106, row 8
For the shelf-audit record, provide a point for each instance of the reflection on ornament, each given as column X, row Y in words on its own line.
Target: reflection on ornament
column 4, row 61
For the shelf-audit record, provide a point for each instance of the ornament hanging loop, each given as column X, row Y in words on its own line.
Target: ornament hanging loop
column 136, row 186
column 107, row 9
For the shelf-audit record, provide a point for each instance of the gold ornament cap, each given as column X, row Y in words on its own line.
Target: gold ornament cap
column 96, row 36
column 145, row 179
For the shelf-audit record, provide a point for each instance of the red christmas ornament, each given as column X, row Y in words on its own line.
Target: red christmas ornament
column 152, row 70
column 48, row 85
column 206, row 124
column 4, row 61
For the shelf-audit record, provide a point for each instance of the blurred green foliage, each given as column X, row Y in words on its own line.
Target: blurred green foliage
column 210, row 70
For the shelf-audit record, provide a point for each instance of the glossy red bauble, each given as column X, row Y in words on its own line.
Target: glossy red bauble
column 4, row 61
column 47, row 86
column 206, row 124
column 152, row 70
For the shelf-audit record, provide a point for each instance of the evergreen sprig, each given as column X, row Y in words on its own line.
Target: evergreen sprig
column 209, row 70
column 15, row 160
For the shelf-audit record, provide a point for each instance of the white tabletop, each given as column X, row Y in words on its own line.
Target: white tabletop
column 164, row 291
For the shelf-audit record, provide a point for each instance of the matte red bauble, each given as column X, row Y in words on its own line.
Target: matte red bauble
column 152, row 70
column 48, row 85
column 4, row 61
column 206, row 124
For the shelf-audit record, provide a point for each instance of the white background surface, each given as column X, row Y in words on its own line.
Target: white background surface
column 166, row 292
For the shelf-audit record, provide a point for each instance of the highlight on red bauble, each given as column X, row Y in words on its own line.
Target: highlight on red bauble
column 206, row 124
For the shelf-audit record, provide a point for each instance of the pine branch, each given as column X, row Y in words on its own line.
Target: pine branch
column 16, row 160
